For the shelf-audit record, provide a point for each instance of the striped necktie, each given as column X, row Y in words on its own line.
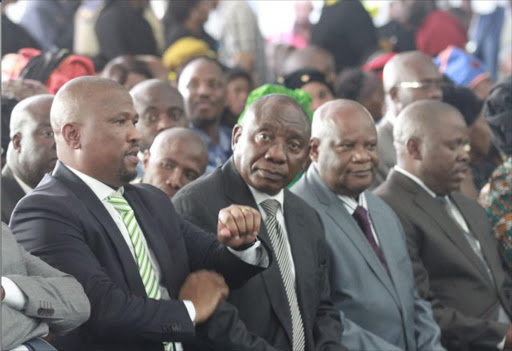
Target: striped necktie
column 279, row 244
column 146, row 270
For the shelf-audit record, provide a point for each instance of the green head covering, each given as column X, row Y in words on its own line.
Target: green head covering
column 302, row 97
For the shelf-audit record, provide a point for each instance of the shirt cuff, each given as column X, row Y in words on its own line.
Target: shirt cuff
column 190, row 309
column 254, row 255
column 501, row 345
column 14, row 297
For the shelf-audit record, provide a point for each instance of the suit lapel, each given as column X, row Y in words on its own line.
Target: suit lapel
column 11, row 190
column 239, row 193
column 98, row 210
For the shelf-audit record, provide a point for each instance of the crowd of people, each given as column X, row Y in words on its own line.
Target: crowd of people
column 169, row 186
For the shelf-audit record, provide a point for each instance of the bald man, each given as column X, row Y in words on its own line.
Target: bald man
column 152, row 278
column 449, row 238
column 407, row 77
column 290, row 303
column 370, row 271
column 160, row 106
column 177, row 157
column 311, row 57
column 31, row 152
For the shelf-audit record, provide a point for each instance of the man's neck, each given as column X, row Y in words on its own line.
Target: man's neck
column 212, row 131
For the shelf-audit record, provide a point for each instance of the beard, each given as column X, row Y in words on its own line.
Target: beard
column 125, row 175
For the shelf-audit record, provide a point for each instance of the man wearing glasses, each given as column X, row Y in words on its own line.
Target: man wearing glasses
column 407, row 77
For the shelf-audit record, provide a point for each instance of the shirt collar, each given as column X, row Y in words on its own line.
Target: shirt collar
column 101, row 190
column 24, row 186
column 259, row 196
column 416, row 180
column 351, row 203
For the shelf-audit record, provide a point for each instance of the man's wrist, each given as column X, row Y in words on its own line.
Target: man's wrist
column 244, row 246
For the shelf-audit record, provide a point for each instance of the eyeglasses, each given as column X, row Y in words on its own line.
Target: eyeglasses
column 424, row 85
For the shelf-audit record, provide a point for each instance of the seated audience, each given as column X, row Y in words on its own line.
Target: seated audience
column 471, row 108
column 311, row 57
column 363, row 87
column 407, row 77
column 435, row 30
column 370, row 271
column 203, row 87
column 177, row 157
column 496, row 197
column 289, row 303
column 50, row 22
column 127, row 70
column 312, row 82
column 238, row 86
column 159, row 106
column 464, row 69
column 37, row 299
column 122, row 29
column 187, row 19
column 456, row 265
column 346, row 30
column 31, row 152
column 152, row 278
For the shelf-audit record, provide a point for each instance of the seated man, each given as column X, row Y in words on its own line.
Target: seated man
column 449, row 238
column 370, row 271
column 177, row 157
column 289, row 304
column 36, row 298
column 148, row 274
column 31, row 152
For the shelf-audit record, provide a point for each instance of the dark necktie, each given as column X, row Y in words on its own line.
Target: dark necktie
column 361, row 217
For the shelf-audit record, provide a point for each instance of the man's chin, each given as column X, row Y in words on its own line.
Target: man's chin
column 127, row 176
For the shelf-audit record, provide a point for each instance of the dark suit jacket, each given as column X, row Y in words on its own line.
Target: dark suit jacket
column 64, row 223
column 448, row 273
column 382, row 312
column 262, row 302
column 11, row 193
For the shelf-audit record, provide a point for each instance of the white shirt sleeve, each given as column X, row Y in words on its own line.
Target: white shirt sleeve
column 190, row 309
column 254, row 255
column 14, row 297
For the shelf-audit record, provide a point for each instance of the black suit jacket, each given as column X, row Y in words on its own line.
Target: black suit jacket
column 64, row 222
column 262, row 302
column 465, row 300
column 11, row 193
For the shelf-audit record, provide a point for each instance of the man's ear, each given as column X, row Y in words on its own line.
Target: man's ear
column 314, row 145
column 393, row 94
column 16, row 142
column 414, row 148
column 237, row 132
column 145, row 159
column 71, row 134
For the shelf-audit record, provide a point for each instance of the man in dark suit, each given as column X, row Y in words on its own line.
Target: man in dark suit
column 370, row 273
column 449, row 238
column 289, row 304
column 31, row 152
column 124, row 243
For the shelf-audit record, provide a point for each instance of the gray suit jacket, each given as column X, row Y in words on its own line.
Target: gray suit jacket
column 386, row 150
column 11, row 193
column 465, row 300
column 380, row 313
column 55, row 302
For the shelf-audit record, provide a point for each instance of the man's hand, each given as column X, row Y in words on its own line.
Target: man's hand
column 238, row 226
column 2, row 293
column 205, row 289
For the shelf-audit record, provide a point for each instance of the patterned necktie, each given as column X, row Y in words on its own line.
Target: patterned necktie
column 279, row 244
column 361, row 217
column 146, row 270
